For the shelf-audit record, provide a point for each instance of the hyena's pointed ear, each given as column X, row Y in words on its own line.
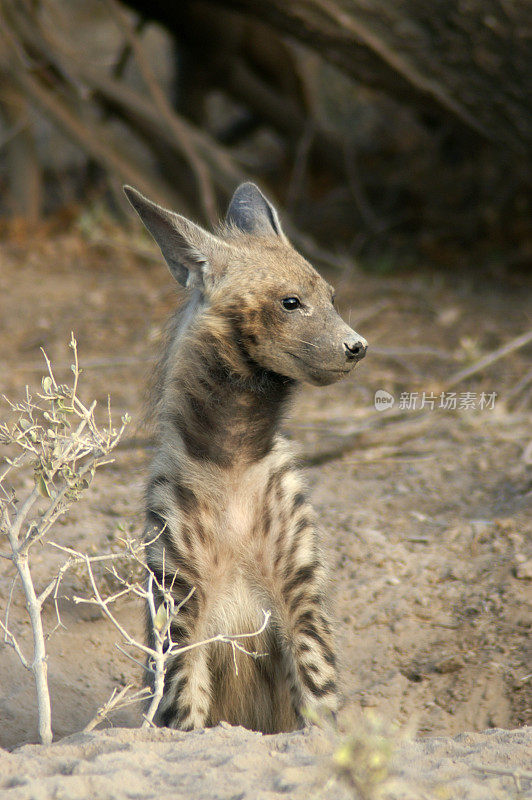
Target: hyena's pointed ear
column 251, row 212
column 188, row 250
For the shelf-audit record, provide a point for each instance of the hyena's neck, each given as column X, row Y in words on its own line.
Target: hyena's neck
column 223, row 414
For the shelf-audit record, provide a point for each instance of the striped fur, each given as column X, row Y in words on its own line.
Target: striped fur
column 225, row 493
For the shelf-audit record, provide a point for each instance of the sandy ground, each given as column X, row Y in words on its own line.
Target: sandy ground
column 426, row 515
column 227, row 763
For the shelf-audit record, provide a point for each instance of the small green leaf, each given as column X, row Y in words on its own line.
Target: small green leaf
column 47, row 384
column 42, row 487
column 161, row 618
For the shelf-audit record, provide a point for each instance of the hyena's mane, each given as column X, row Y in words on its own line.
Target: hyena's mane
column 206, row 384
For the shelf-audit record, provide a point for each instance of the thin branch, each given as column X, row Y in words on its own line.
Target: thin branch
column 98, row 600
column 520, row 773
column 516, row 390
column 132, row 658
column 10, row 639
column 491, row 358
column 14, row 530
column 201, row 171
column 114, row 701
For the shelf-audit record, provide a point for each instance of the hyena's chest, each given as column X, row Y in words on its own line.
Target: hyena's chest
column 241, row 526
column 235, row 564
column 250, row 530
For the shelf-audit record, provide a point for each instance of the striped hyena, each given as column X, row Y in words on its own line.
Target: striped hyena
column 225, row 489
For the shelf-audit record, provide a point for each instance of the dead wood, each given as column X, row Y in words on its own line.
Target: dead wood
column 24, row 169
column 492, row 358
column 471, row 61
column 77, row 96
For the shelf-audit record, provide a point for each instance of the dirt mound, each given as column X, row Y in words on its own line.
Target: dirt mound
column 227, row 763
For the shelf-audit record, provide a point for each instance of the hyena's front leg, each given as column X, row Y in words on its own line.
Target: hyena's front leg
column 187, row 690
column 314, row 659
column 187, row 683
column 312, row 671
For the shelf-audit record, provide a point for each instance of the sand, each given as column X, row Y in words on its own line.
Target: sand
column 226, row 763
column 426, row 523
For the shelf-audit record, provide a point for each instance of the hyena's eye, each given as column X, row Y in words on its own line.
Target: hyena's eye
column 291, row 303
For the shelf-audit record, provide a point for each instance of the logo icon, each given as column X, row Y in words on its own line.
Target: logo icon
column 383, row 400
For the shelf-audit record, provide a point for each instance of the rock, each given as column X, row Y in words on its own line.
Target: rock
column 523, row 570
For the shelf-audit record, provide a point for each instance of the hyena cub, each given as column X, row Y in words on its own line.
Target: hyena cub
column 225, row 489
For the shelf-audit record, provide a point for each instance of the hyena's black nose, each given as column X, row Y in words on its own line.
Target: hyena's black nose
column 355, row 348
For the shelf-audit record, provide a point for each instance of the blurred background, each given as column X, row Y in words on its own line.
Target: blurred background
column 387, row 131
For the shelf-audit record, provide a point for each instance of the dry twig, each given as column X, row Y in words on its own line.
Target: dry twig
column 177, row 128
column 517, row 775
column 491, row 358
column 119, row 698
column 57, row 434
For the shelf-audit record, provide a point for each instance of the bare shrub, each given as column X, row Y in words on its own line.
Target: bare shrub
column 56, row 434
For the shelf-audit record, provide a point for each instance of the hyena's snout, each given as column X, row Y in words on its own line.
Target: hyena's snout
column 333, row 353
column 355, row 347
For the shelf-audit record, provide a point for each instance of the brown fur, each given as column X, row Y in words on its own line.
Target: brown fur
column 225, row 493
